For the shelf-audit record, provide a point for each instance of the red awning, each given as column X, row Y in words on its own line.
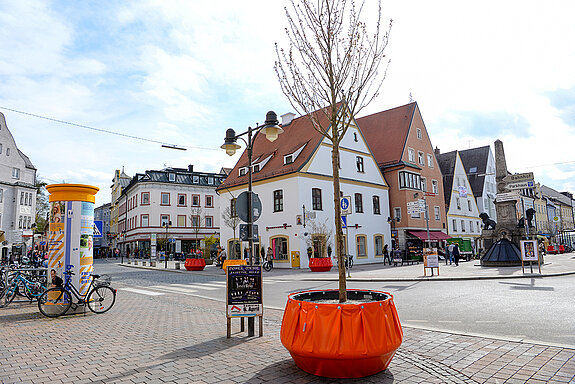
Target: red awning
column 433, row 235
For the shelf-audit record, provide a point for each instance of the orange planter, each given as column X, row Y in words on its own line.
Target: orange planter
column 195, row 264
column 320, row 264
column 341, row 340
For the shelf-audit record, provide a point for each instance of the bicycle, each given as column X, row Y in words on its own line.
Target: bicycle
column 57, row 301
column 268, row 265
column 31, row 287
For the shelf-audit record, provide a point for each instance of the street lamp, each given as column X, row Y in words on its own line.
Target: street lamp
column 166, row 225
column 271, row 129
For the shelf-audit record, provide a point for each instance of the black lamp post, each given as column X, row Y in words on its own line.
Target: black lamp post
column 122, row 253
column 167, row 225
column 271, row 129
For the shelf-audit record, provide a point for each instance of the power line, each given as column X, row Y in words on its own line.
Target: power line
column 163, row 143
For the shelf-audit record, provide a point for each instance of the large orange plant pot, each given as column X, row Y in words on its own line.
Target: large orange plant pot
column 195, row 264
column 335, row 340
column 320, row 264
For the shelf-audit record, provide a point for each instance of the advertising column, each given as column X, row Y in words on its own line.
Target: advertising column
column 71, row 232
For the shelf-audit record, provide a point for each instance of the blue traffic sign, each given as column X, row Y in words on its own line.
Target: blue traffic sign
column 344, row 222
column 344, row 203
column 98, row 228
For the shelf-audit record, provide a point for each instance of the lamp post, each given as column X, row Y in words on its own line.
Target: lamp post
column 124, row 242
column 167, row 225
column 271, row 129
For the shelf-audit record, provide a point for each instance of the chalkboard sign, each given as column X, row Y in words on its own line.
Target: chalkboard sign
column 244, row 291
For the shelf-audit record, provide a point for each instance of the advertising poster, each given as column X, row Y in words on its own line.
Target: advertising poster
column 430, row 258
column 529, row 251
column 56, row 237
column 244, row 291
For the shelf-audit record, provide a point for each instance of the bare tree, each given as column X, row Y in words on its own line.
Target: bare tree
column 331, row 68
column 319, row 232
column 232, row 220
column 197, row 220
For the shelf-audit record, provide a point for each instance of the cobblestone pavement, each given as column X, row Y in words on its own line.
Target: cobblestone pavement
column 182, row 339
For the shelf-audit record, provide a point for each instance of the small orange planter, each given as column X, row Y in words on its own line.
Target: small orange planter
column 320, row 264
column 341, row 340
column 195, row 264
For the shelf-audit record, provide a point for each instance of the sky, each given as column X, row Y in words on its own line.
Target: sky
column 182, row 72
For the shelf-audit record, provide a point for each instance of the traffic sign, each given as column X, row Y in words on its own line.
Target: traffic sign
column 98, row 228
column 507, row 196
column 527, row 176
column 242, row 207
column 344, row 222
column 244, row 236
column 345, row 205
column 520, row 185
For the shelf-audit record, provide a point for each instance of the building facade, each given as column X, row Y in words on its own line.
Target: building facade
column 404, row 153
column 17, row 196
column 102, row 244
column 171, row 210
column 479, row 164
column 293, row 179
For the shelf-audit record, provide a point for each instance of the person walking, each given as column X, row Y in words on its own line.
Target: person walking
column 386, row 255
column 449, row 253
column 456, row 254
column 270, row 256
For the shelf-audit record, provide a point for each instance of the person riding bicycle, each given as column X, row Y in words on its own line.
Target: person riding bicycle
column 270, row 256
column 56, row 280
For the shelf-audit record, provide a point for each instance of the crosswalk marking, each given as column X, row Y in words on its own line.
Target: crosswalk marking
column 194, row 286
column 171, row 288
column 141, row 291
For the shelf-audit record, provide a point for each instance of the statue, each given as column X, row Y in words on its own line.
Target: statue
column 530, row 213
column 487, row 222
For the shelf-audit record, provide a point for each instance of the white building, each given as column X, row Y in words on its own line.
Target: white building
column 462, row 212
column 293, row 178
column 175, row 203
column 479, row 165
column 17, row 195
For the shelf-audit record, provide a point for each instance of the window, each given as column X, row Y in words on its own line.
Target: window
column 7, row 151
column 165, row 198
column 1, row 196
column 429, row 160
column 411, row 155
column 21, row 198
column 233, row 211
column 209, row 221
column 210, row 180
column 360, row 246
column 278, row 200
column 19, row 222
column 355, row 137
column 358, row 203
column 181, row 200
column 0, row 147
column 437, row 213
column 288, row 159
column 181, row 220
column 195, row 200
column 376, row 209
column 420, row 158
column 458, row 202
column 243, row 171
column 144, row 220
column 454, row 222
column 471, row 226
column 209, row 201
column 462, row 226
column 316, row 199
column 195, row 221
column 424, row 184
column 196, row 179
column 359, row 164
column 378, row 244
column 419, row 133
column 15, row 171
column 164, row 219
column 280, row 248
column 469, row 205
column 145, row 198
column 477, row 225
column 172, row 177
column 434, row 186
column 397, row 213
column 256, row 168
column 409, row 180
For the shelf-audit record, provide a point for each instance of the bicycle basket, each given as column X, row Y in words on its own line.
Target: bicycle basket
column 103, row 281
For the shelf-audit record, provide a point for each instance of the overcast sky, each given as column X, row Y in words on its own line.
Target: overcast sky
column 182, row 72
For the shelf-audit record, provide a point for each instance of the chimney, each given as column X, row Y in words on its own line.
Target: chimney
column 437, row 151
column 287, row 118
column 190, row 168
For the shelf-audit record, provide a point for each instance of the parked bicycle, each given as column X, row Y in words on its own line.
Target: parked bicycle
column 21, row 282
column 100, row 297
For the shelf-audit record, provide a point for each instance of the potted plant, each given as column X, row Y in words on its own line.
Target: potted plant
column 318, row 239
column 334, row 337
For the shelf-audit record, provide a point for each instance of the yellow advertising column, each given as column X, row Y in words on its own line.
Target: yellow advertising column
column 71, row 231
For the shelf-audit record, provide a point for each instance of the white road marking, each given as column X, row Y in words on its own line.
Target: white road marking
column 487, row 321
column 416, row 321
column 449, row 321
column 173, row 289
column 141, row 291
column 193, row 286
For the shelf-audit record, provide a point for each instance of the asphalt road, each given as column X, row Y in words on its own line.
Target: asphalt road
column 538, row 310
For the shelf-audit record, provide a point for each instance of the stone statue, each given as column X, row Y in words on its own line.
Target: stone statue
column 487, row 222
column 530, row 213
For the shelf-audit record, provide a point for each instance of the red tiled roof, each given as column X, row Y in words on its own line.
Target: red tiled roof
column 386, row 132
column 298, row 133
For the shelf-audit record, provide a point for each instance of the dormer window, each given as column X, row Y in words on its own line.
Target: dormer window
column 196, row 179
column 288, row 159
column 172, row 177
column 243, row 171
column 256, row 168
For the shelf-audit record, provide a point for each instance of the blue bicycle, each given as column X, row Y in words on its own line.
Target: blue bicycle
column 100, row 297
column 18, row 284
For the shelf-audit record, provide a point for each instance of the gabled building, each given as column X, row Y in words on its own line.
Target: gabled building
column 294, row 181
column 171, row 210
column 119, row 182
column 560, row 220
column 479, row 166
column 462, row 211
column 403, row 151
column 17, row 196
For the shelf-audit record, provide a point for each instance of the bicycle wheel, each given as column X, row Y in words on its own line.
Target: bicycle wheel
column 101, row 299
column 54, row 302
column 267, row 266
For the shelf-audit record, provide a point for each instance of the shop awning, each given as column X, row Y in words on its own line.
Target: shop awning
column 433, row 235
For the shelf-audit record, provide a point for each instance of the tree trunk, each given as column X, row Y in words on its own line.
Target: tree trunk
column 339, row 246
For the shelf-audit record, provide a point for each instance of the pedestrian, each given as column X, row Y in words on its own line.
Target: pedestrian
column 221, row 256
column 386, row 255
column 456, row 254
column 270, row 256
column 450, row 253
